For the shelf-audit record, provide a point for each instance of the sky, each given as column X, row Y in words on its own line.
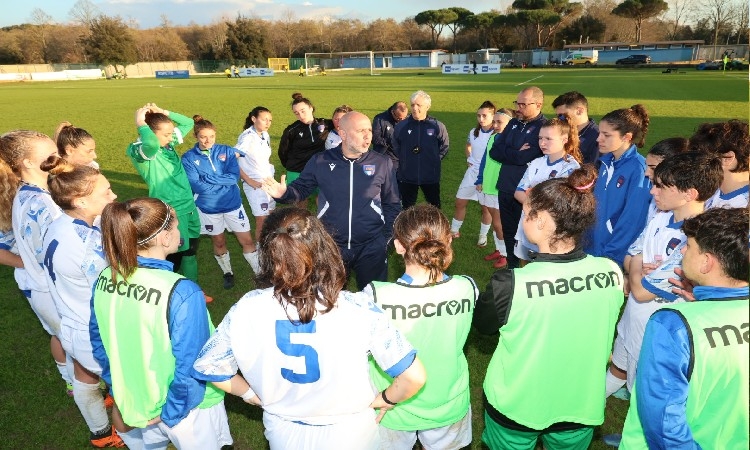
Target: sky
column 147, row 13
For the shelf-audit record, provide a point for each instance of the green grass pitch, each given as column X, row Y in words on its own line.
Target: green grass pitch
column 36, row 413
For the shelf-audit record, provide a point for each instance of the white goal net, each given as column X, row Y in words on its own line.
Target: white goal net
column 319, row 63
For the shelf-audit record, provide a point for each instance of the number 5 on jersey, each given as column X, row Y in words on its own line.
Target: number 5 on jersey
column 284, row 331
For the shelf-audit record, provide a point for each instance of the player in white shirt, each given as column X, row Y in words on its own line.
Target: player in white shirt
column 254, row 145
column 333, row 139
column 682, row 184
column 301, row 345
column 73, row 258
column 558, row 140
column 28, row 154
column 476, row 146
column 658, row 153
column 731, row 141
column 76, row 145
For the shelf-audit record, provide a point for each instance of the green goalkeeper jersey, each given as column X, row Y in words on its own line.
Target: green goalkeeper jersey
column 161, row 168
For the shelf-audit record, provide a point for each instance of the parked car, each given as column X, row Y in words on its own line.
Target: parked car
column 634, row 59
column 581, row 60
column 710, row 65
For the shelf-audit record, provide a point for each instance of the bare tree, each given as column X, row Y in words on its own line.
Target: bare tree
column 740, row 14
column 84, row 12
column 42, row 25
column 677, row 15
column 719, row 16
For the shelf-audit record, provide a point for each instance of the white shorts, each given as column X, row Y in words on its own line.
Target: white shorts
column 359, row 431
column 624, row 360
column 467, row 190
column 201, row 429
column 449, row 437
column 261, row 204
column 215, row 224
column 487, row 200
column 77, row 344
column 44, row 307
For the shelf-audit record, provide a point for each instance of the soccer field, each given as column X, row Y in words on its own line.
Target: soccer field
column 36, row 413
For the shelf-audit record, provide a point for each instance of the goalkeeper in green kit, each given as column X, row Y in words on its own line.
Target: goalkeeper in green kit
column 156, row 160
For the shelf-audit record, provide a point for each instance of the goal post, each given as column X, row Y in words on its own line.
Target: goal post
column 317, row 63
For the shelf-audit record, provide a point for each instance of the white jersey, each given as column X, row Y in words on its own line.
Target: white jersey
column 333, row 140
column 33, row 211
column 540, row 170
column 255, row 149
column 315, row 373
column 478, row 146
column 73, row 259
column 8, row 242
column 659, row 242
column 734, row 199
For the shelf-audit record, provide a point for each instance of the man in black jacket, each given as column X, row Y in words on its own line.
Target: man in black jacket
column 382, row 130
column 420, row 143
column 515, row 148
column 358, row 200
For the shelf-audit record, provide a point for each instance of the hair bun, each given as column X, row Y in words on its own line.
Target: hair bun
column 197, row 118
column 297, row 96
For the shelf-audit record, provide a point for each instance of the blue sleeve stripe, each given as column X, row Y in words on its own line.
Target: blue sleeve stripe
column 5, row 247
column 658, row 292
column 399, row 368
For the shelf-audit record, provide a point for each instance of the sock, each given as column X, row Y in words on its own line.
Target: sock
column 613, row 384
column 63, row 369
column 456, row 225
column 500, row 245
column 133, row 438
column 224, row 263
column 189, row 267
column 484, row 229
column 252, row 259
column 91, row 404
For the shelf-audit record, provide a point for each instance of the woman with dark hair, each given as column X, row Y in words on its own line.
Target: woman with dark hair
column 73, row 258
column 212, row 171
column 301, row 344
column 147, row 326
column 254, row 145
column 156, row 160
column 76, row 145
column 545, row 356
column 302, row 139
column 622, row 189
column 440, row 414
column 333, row 139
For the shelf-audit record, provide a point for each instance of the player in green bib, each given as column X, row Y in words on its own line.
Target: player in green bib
column 557, row 319
column 691, row 389
column 147, row 326
column 156, row 160
column 434, row 311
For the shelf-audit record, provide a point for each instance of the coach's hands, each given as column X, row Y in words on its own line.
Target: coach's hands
column 274, row 188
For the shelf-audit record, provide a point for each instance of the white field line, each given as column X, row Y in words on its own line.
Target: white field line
column 540, row 76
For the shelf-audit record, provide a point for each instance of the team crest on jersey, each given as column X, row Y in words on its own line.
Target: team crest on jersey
column 264, row 206
column 620, row 181
column 672, row 244
column 222, row 157
column 553, row 174
column 430, row 132
column 369, row 169
column 209, row 228
column 332, row 166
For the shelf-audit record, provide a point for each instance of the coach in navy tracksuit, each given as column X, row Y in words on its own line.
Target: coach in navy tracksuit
column 358, row 199
column 383, row 126
column 420, row 143
column 515, row 148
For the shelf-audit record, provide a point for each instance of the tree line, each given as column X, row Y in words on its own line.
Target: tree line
column 91, row 37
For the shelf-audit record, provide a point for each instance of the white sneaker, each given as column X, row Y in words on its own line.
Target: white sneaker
column 482, row 242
